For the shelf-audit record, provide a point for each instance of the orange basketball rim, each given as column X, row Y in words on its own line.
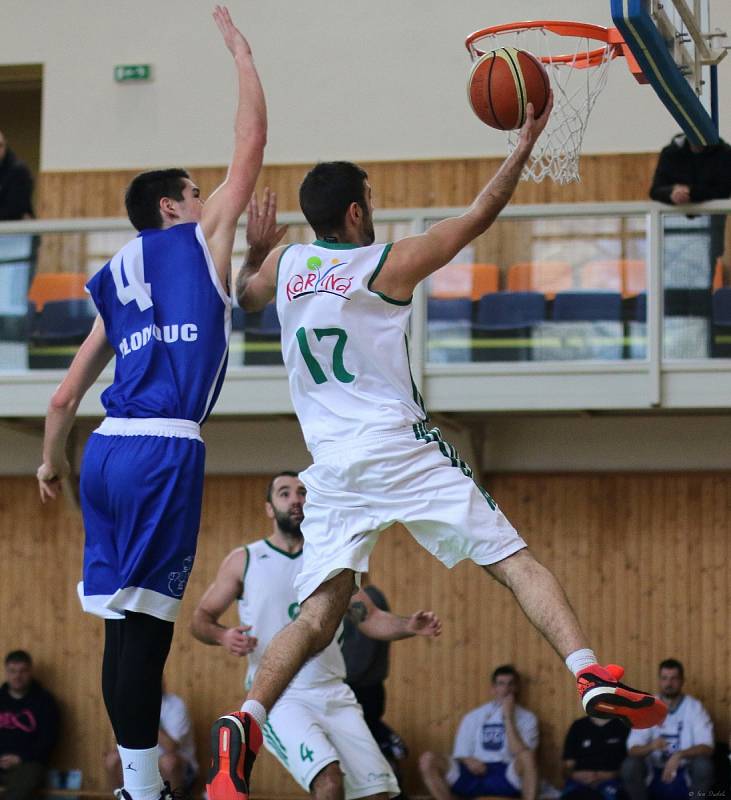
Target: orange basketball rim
column 577, row 56
column 613, row 47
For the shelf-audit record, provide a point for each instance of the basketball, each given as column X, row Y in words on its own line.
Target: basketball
column 502, row 83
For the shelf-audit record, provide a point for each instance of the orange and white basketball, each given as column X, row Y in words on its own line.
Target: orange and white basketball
column 503, row 82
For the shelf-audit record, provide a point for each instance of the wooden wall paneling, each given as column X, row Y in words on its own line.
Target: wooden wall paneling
column 644, row 560
column 396, row 184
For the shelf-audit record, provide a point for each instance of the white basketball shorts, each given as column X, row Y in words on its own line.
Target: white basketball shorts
column 309, row 729
column 412, row 476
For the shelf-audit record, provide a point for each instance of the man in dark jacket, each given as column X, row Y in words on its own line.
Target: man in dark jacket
column 16, row 185
column 688, row 173
column 28, row 728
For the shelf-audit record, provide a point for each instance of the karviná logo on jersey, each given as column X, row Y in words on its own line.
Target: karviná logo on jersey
column 319, row 279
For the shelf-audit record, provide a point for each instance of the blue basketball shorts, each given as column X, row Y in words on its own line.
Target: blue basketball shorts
column 500, row 779
column 141, row 494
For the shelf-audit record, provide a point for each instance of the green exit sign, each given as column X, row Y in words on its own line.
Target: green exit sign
column 132, row 72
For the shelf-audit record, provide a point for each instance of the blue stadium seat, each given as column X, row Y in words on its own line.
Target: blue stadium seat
column 238, row 318
column 57, row 331
column 588, row 326
column 67, row 321
column 587, row 306
column 448, row 309
column 504, row 310
column 503, row 329
column 269, row 324
column 449, row 329
column 262, row 337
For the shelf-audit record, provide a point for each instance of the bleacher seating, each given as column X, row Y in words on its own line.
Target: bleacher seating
column 588, row 325
column 464, row 280
column 449, row 324
column 57, row 331
column 504, row 324
column 50, row 286
column 547, row 277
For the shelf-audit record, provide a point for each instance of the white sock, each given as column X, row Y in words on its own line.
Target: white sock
column 141, row 772
column 580, row 659
column 257, row 710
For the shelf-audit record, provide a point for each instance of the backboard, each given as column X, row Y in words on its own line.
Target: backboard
column 678, row 51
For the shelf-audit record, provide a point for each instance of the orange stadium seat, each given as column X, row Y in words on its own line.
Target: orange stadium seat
column 547, row 277
column 601, row 276
column 634, row 277
column 53, row 286
column 464, row 280
column 718, row 274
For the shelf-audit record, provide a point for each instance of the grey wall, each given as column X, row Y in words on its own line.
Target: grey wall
column 377, row 80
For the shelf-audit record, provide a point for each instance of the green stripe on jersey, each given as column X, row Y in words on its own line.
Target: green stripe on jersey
column 434, row 435
column 379, row 266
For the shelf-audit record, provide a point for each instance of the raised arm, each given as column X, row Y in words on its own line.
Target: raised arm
column 414, row 258
column 384, row 625
column 256, row 281
column 224, row 590
column 91, row 358
column 223, row 208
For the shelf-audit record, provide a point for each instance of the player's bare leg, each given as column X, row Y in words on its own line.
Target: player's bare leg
column 542, row 599
column 433, row 767
column 527, row 768
column 545, row 604
column 236, row 737
column 305, row 637
column 328, row 785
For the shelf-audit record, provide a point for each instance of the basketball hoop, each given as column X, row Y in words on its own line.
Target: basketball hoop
column 577, row 78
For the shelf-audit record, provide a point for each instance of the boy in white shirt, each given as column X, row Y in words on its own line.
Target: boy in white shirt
column 494, row 749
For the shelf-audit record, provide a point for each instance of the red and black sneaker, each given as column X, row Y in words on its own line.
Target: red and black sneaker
column 235, row 741
column 602, row 695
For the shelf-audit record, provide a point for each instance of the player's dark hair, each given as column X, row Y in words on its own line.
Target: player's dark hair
column 672, row 663
column 326, row 193
column 288, row 473
column 18, row 657
column 143, row 195
column 505, row 669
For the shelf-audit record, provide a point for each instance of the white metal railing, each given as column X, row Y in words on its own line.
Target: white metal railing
column 460, row 386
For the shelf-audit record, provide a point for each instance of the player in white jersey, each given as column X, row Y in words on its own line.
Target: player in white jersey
column 316, row 729
column 343, row 305
column 672, row 760
column 164, row 310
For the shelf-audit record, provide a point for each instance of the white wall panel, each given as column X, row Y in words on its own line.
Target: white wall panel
column 377, row 80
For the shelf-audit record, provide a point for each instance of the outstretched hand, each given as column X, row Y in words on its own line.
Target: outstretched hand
column 424, row 623
column 262, row 232
column 232, row 36
column 533, row 126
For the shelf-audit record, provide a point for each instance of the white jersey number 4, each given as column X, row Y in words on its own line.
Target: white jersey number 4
column 313, row 365
column 128, row 270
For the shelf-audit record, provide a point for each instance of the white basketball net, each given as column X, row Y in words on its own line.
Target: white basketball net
column 575, row 90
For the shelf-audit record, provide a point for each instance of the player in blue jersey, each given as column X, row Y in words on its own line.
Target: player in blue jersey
column 165, row 314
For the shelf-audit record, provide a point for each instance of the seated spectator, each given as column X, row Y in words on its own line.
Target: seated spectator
column 670, row 760
column 592, row 755
column 494, row 750
column 29, row 722
column 178, row 764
